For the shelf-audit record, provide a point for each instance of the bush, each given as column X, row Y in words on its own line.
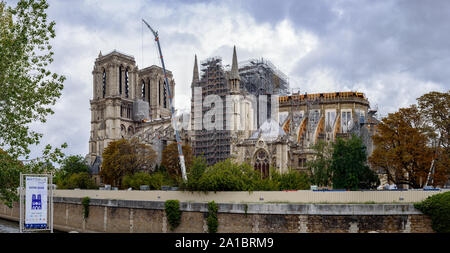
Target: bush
column 173, row 213
column 78, row 180
column 154, row 180
column 85, row 203
column 292, row 180
column 212, row 220
column 438, row 208
column 229, row 176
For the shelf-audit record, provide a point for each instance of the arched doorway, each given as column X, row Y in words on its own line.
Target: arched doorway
column 262, row 163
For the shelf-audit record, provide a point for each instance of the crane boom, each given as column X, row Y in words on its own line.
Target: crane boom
column 174, row 122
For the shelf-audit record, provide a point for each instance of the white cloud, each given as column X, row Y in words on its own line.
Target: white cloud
column 205, row 29
column 353, row 49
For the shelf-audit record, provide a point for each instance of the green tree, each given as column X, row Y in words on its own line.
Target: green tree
column 349, row 166
column 9, row 177
column 74, row 164
column 197, row 170
column 28, row 87
column 72, row 174
column 319, row 167
column 80, row 180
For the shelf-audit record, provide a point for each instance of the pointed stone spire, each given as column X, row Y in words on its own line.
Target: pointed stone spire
column 195, row 77
column 100, row 54
column 234, row 67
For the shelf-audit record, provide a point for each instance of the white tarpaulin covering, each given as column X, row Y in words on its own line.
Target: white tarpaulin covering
column 270, row 131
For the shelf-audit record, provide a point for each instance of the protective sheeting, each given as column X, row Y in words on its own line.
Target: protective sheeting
column 140, row 110
column 269, row 131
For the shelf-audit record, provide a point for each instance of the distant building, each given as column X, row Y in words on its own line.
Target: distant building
column 129, row 102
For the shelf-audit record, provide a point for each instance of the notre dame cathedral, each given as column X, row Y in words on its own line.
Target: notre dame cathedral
column 277, row 129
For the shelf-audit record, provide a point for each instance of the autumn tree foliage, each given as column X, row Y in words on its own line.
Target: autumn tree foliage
column 171, row 161
column 125, row 157
column 403, row 150
column 435, row 107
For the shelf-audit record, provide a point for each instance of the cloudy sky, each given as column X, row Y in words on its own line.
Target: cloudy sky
column 393, row 51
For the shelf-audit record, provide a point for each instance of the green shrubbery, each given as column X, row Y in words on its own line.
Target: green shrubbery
column 212, row 220
column 85, row 202
column 229, row 176
column 173, row 213
column 80, row 180
column 74, row 173
column 154, row 180
column 438, row 208
column 292, row 180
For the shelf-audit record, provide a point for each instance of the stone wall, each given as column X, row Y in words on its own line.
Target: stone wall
column 128, row 216
column 305, row 196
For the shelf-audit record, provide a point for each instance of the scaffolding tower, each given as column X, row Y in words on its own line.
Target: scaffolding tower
column 258, row 77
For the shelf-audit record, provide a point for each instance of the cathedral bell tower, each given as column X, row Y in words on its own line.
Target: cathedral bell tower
column 114, row 89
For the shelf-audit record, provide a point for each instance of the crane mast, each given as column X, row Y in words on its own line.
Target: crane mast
column 174, row 122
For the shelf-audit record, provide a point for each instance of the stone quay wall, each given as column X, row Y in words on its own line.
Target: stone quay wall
column 143, row 216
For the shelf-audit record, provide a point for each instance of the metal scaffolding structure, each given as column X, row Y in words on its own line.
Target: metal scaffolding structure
column 261, row 77
column 257, row 77
column 213, row 145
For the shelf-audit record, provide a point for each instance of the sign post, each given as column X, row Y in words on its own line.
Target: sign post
column 36, row 191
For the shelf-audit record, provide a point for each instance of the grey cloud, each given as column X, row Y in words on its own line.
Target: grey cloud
column 382, row 39
column 394, row 51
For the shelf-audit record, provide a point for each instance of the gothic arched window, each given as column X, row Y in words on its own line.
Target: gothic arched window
column 149, row 91
column 123, row 131
column 104, row 83
column 120, row 80
column 165, row 96
column 130, row 131
column 262, row 163
column 159, row 92
column 126, row 82
column 143, row 90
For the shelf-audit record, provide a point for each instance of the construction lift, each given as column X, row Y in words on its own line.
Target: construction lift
column 174, row 122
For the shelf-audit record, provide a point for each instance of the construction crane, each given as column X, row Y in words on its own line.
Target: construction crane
column 174, row 122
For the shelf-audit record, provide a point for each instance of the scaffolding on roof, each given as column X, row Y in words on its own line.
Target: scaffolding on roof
column 260, row 77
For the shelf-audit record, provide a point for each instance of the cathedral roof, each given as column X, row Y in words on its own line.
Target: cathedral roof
column 95, row 167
